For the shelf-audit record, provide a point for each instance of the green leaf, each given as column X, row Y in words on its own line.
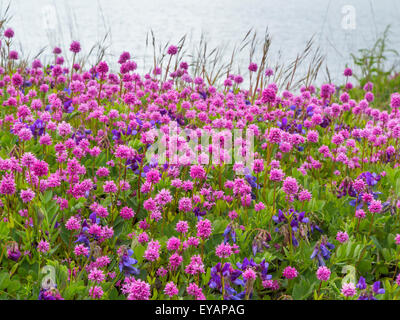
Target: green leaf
column 139, row 252
column 13, row 286
column 4, row 280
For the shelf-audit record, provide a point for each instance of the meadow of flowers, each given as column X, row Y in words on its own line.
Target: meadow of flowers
column 86, row 215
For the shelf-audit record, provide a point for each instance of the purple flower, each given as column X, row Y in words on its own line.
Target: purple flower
column 126, row 262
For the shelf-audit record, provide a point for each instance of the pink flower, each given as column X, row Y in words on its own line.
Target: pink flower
column 43, row 246
column 175, row 261
column 276, row 175
column 127, row 213
column 45, row 140
column 323, row 273
column 397, row 239
column 9, row 33
column 367, row 197
column 258, row 165
column 81, row 250
column 195, row 266
column 249, row 274
column 13, row 55
column 342, row 237
column 96, row 275
column 102, row 67
column 171, row 289
column 204, row 228
column 40, row 168
column 337, row 138
column 193, row 241
column 110, row 187
column 185, row 204
column 312, row 136
column 75, row 47
column 153, row 176
column 124, row 152
column 290, row 272
column 360, row 214
column 96, row 292
column 152, row 252
column 73, row 223
column 172, row 50
column 194, row 290
column 275, row 135
column 271, row 284
column 305, row 195
column 64, row 129
column 253, row 67
column 348, row 289
column 27, row 195
column 7, row 185
column 163, row 197
column 25, row 134
column 358, row 185
column 375, row 206
column 143, row 237
column 150, row 204
column 269, row 72
column 162, row 272
column 173, row 244
column 348, row 72
column 136, row 289
column 395, row 101
column 197, row 171
column 290, row 185
column 182, row 227
column 232, row 215
column 223, row 251
column 259, row 206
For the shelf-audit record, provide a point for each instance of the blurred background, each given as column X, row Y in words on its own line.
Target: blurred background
column 338, row 28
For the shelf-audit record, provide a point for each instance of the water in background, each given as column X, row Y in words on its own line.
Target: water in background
column 291, row 23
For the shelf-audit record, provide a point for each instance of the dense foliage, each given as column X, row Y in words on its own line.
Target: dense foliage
column 85, row 215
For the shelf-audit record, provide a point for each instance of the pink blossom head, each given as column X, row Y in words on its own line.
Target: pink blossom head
column 75, row 47
column 171, row 289
column 323, row 273
column 375, row 206
column 305, row 195
column 348, row 72
column 96, row 292
column 290, row 272
column 269, row 72
column 127, row 213
column 182, row 227
column 223, row 251
column 13, row 55
column 27, row 195
column 253, row 67
column 249, row 275
column 276, row 175
column 290, row 186
column 348, row 289
column 43, row 246
column 342, row 237
column 9, row 33
column 172, row 50
column 395, row 101
column 312, row 136
column 204, row 228
column 185, row 204
column 360, row 214
column 359, row 185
